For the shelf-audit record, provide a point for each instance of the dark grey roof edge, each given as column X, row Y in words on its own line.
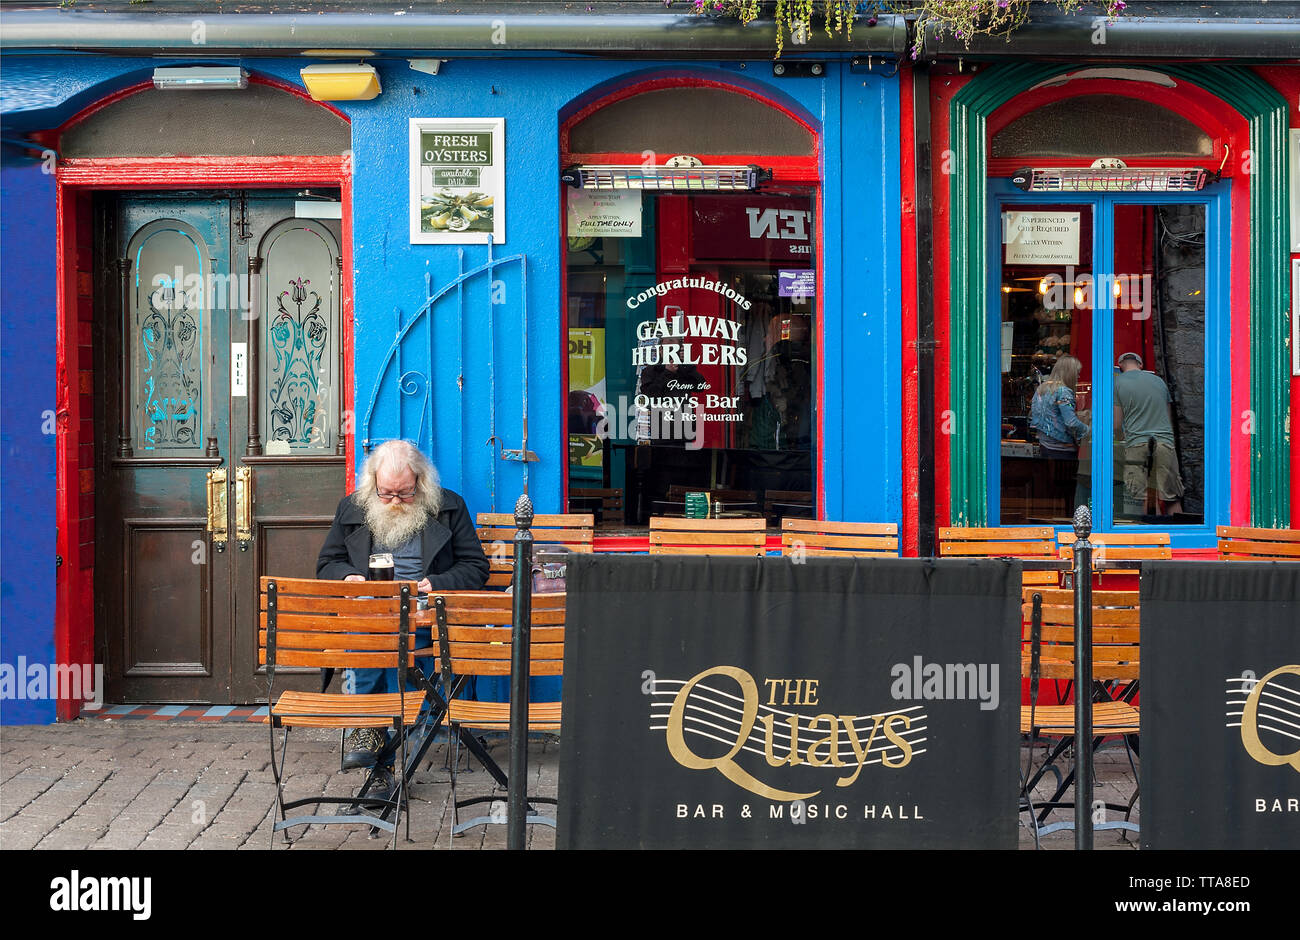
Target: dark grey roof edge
column 625, row 29
column 269, row 33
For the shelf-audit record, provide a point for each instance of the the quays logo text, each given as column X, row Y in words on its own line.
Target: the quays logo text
column 104, row 893
column 783, row 726
column 1265, row 710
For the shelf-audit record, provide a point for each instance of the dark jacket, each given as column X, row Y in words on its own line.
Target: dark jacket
column 450, row 550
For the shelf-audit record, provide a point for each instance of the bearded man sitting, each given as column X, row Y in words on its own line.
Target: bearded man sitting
column 400, row 508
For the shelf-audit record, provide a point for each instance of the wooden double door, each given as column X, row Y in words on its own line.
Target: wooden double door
column 220, row 452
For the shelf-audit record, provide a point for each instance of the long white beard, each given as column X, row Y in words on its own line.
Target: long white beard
column 392, row 525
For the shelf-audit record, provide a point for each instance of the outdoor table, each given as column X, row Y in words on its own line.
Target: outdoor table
column 432, row 718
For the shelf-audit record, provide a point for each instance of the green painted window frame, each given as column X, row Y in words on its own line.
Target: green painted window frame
column 1266, row 115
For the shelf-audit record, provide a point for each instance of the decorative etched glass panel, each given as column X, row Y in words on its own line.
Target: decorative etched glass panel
column 169, row 326
column 298, row 359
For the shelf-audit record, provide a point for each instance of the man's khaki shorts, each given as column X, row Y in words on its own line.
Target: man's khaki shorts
column 1164, row 478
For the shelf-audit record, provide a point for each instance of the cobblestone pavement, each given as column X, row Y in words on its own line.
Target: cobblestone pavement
column 140, row 784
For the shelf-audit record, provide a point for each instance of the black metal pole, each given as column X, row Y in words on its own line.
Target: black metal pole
column 520, row 648
column 1082, row 680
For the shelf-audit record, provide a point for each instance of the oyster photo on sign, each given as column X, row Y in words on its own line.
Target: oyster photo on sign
column 447, row 211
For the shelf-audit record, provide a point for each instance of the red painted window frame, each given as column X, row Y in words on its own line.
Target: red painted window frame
column 802, row 171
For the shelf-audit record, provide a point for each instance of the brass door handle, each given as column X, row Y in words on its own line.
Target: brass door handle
column 217, row 507
column 244, row 507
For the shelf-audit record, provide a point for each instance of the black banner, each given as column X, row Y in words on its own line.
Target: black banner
column 1220, row 705
column 714, row 702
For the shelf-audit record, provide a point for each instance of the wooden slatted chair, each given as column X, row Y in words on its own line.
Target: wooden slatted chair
column 333, row 625
column 474, row 636
column 839, row 539
column 708, row 536
column 1237, row 543
column 1121, row 546
column 496, row 533
column 1116, row 626
column 609, row 502
column 1025, row 542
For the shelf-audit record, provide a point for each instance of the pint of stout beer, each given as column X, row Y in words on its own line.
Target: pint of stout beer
column 381, row 567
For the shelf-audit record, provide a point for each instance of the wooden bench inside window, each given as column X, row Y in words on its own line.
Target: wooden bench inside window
column 605, row 504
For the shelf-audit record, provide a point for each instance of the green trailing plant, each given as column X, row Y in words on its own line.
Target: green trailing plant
column 963, row 19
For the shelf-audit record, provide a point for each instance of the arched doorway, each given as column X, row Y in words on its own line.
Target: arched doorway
column 206, row 329
column 692, row 225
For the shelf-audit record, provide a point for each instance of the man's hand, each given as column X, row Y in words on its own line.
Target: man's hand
column 354, row 577
column 425, row 586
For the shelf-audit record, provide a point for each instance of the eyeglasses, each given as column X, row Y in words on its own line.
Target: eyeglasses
column 389, row 497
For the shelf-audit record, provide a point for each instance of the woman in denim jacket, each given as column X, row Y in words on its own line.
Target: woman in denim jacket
column 1060, row 431
column 1052, row 414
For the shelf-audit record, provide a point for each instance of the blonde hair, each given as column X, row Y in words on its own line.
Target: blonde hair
column 1065, row 374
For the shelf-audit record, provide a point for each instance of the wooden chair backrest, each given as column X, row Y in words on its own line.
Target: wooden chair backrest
column 1004, row 542
column 1017, row 542
column 1116, row 621
column 865, row 539
column 1237, row 543
column 707, row 536
column 479, row 628
column 496, row 533
column 611, row 503
column 339, row 624
column 1121, row 546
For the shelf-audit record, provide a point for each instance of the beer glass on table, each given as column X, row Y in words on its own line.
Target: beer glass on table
column 381, row 567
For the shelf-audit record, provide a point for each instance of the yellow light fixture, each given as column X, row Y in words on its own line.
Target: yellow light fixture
column 341, row 82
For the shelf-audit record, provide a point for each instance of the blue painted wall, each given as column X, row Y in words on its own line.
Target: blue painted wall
column 860, row 450
column 27, row 390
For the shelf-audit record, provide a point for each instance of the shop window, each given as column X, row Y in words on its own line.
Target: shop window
column 1103, row 366
column 690, row 351
column 1089, row 126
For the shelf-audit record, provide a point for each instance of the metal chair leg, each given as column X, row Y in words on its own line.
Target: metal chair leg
column 454, row 735
column 279, row 781
column 401, row 785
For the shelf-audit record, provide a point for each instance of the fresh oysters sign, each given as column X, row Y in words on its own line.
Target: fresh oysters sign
column 457, row 180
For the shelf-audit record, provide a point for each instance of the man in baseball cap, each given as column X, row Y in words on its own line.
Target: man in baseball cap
column 1143, row 405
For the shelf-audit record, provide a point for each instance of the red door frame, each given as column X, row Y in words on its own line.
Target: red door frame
column 75, row 179
column 786, row 171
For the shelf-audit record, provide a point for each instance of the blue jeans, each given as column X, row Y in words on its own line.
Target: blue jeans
column 378, row 681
